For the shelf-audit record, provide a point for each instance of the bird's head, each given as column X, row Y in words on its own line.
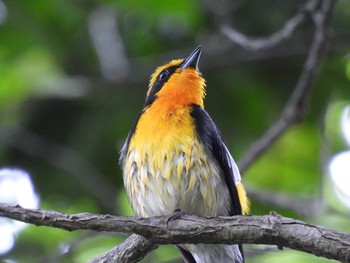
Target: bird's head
column 178, row 82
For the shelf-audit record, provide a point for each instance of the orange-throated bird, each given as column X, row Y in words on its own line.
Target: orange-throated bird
column 176, row 159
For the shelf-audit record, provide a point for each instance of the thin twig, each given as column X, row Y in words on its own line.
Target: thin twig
column 295, row 108
column 301, row 206
column 276, row 38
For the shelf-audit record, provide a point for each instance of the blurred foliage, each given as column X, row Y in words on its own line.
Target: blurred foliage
column 51, row 86
column 285, row 164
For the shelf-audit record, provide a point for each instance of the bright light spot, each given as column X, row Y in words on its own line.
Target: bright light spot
column 339, row 169
column 345, row 124
column 15, row 188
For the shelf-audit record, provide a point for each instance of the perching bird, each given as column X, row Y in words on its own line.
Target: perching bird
column 175, row 158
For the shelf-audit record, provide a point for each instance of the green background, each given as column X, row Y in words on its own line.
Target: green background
column 64, row 121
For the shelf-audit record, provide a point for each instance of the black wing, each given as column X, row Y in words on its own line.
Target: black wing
column 124, row 150
column 211, row 138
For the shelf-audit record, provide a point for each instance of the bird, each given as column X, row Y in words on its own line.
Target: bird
column 175, row 158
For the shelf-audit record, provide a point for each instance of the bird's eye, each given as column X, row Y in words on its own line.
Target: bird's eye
column 163, row 75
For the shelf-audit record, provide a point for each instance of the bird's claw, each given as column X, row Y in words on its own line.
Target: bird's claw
column 176, row 215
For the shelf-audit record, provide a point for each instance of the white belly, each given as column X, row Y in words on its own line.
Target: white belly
column 191, row 182
column 194, row 184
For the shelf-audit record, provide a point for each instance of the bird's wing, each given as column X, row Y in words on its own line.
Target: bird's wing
column 211, row 138
column 124, row 150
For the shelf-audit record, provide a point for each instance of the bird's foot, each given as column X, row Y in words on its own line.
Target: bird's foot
column 176, row 215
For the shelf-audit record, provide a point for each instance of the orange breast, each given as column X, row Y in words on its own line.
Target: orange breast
column 161, row 129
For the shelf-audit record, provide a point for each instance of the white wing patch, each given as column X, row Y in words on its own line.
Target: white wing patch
column 233, row 166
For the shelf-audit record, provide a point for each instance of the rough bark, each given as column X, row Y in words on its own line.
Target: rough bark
column 270, row 229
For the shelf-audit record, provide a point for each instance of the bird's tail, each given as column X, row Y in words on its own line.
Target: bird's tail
column 207, row 253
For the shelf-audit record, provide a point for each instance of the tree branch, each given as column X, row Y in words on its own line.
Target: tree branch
column 295, row 108
column 270, row 229
column 276, row 38
column 131, row 250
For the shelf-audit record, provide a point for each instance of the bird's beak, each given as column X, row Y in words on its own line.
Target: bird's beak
column 193, row 59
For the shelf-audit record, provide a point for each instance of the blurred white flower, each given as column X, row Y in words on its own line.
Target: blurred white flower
column 3, row 12
column 345, row 124
column 7, row 236
column 16, row 187
column 339, row 166
column 339, row 169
